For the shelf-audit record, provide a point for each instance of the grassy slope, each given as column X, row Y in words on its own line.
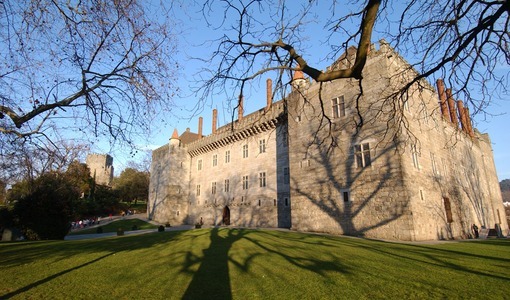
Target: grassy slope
column 252, row 264
column 113, row 226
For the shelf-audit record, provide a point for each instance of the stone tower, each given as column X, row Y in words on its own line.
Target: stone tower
column 101, row 168
column 168, row 188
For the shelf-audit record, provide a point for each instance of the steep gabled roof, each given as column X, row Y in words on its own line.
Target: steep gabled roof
column 188, row 137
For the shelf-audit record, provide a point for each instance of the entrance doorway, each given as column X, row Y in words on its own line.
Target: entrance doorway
column 226, row 215
column 448, row 209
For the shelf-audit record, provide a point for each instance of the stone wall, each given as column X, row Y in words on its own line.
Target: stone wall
column 240, row 160
column 168, row 189
column 380, row 164
column 101, row 168
column 342, row 197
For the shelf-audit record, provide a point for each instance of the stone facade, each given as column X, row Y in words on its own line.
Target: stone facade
column 101, row 168
column 400, row 167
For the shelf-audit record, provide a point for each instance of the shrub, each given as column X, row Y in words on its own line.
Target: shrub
column 167, row 224
column 46, row 212
column 161, row 228
column 134, row 227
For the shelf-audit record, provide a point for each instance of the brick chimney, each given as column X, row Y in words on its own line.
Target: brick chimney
column 269, row 93
column 214, row 120
column 451, row 108
column 240, row 108
column 462, row 116
column 200, row 122
column 442, row 99
column 469, row 123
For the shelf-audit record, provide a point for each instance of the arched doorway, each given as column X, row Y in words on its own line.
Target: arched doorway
column 226, row 215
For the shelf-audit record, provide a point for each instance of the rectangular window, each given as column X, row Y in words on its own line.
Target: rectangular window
column 262, row 146
column 415, row 155
column 433, row 162
column 345, row 195
column 305, row 163
column 198, row 189
column 227, row 156
column 286, row 176
column 227, row 185
column 215, row 160
column 445, row 168
column 213, row 187
column 245, row 151
column 405, row 100
column 245, row 182
column 262, row 179
column 362, row 154
column 338, row 106
column 199, row 164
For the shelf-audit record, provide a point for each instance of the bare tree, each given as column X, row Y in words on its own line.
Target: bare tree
column 27, row 161
column 462, row 41
column 100, row 67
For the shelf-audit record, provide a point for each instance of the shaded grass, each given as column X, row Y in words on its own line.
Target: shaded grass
column 126, row 224
column 252, row 264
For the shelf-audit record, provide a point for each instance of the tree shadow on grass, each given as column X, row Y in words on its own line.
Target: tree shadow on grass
column 50, row 278
column 451, row 259
column 22, row 253
column 211, row 280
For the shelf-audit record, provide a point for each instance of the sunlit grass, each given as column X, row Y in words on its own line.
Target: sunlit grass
column 252, row 264
column 126, row 225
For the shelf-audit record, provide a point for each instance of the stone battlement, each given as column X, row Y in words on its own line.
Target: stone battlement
column 254, row 123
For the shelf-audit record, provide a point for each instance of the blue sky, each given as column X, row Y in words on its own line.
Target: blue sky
column 191, row 42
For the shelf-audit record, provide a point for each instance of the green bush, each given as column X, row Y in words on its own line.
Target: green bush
column 161, row 228
column 45, row 213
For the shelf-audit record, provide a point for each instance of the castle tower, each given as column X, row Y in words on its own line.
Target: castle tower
column 101, row 168
column 168, row 186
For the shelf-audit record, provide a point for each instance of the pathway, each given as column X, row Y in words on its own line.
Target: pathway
column 106, row 220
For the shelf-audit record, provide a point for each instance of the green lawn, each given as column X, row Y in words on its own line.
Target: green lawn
column 126, row 224
column 252, row 264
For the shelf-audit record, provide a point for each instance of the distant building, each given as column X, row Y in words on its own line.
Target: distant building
column 101, row 168
column 305, row 165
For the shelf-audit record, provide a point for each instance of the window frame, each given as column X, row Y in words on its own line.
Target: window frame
column 213, row 187
column 338, row 107
column 245, row 182
column 262, row 146
column 245, row 151
column 362, row 155
column 227, row 186
column 262, row 179
column 415, row 155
